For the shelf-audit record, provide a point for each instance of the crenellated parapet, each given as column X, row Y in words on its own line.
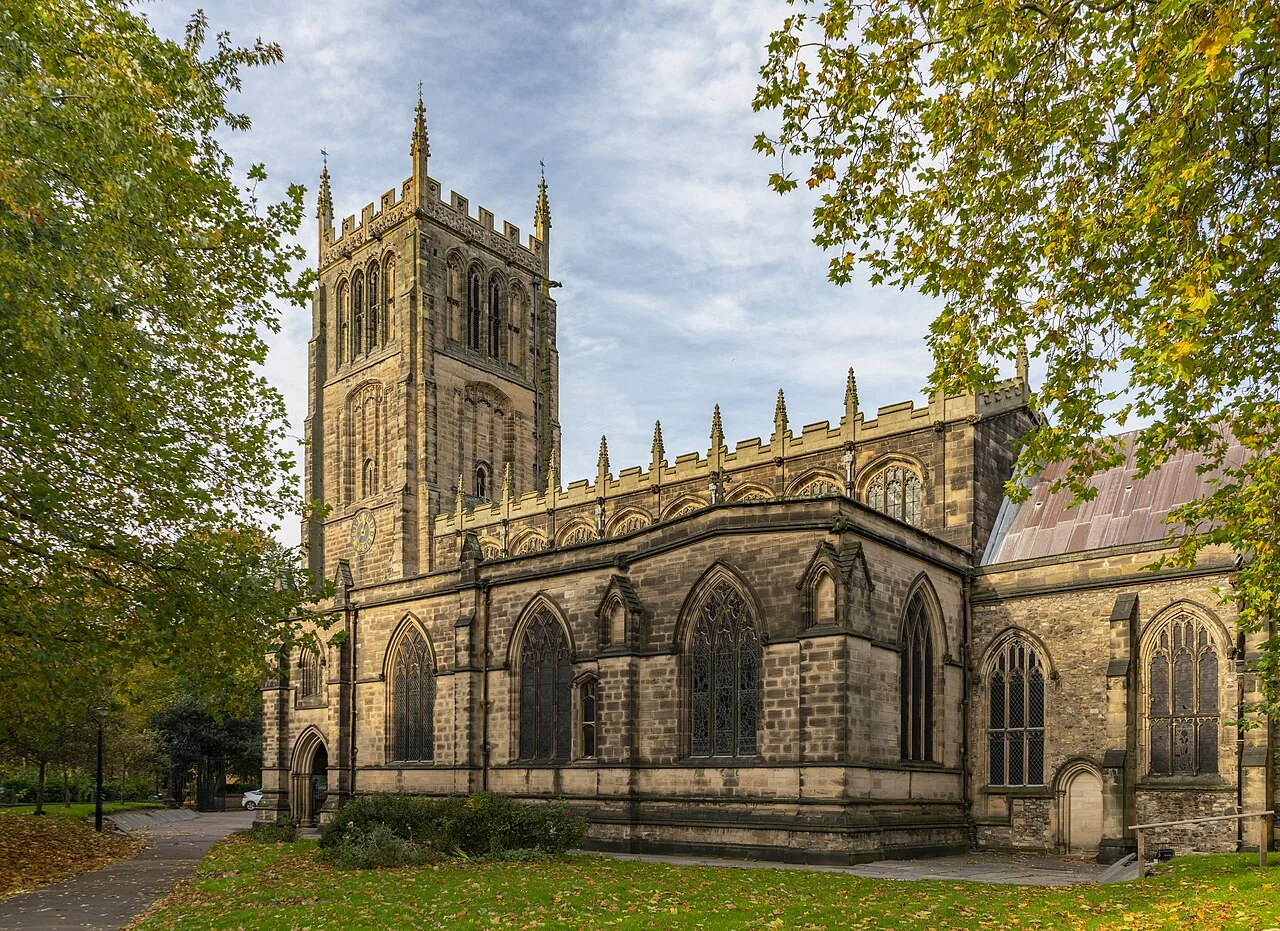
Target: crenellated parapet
column 454, row 215
column 821, row 455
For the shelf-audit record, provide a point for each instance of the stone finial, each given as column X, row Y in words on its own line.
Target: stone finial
column 460, row 504
column 542, row 223
column 553, row 481
column 420, row 144
column 419, row 149
column 602, row 463
column 659, row 451
column 1022, row 364
column 508, row 484
column 780, row 416
column 717, row 430
column 850, row 396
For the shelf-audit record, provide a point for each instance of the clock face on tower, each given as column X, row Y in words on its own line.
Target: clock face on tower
column 363, row 529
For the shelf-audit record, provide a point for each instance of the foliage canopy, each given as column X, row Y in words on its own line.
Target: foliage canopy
column 140, row 446
column 1097, row 182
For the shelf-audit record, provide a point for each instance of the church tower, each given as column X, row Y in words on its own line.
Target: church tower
column 432, row 368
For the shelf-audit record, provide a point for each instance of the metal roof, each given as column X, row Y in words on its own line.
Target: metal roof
column 1127, row 510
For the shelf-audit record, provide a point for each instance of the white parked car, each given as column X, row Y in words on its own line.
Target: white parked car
column 251, row 799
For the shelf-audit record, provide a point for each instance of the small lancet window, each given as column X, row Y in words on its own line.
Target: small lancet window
column 482, row 483
column 588, row 718
column 308, row 673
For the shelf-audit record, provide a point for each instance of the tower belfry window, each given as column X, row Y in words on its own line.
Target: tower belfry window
column 374, row 308
column 482, row 483
column 357, row 315
column 495, row 319
column 473, row 310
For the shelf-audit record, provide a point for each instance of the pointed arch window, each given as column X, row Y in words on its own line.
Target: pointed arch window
column 482, row 483
column 357, row 315
column 340, row 349
column 1182, row 698
column 725, row 672
column 546, row 692
column 1015, row 716
column 375, row 309
column 413, row 695
column 495, row 319
column 895, row 491
column 917, row 684
column 473, row 309
column 308, row 673
column 388, row 291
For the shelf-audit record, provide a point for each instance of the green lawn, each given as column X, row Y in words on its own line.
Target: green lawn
column 79, row 810
column 243, row 884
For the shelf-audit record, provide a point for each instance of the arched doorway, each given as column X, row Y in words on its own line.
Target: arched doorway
column 1080, row 810
column 309, row 782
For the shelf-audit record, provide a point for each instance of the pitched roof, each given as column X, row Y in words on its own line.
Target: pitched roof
column 1127, row 510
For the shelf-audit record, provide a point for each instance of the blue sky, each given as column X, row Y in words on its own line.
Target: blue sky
column 687, row 282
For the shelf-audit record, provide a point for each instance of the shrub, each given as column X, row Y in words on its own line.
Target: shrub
column 430, row 829
column 279, row 832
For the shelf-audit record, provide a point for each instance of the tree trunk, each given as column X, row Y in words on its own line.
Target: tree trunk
column 40, row 790
column 66, row 788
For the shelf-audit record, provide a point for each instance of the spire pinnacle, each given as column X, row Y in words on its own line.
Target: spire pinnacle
column 553, row 481
column 659, row 451
column 1022, row 363
column 542, row 209
column 420, row 142
column 780, row 415
column 850, row 396
column 602, row 463
column 508, row 484
column 324, row 205
column 460, row 504
column 717, row 430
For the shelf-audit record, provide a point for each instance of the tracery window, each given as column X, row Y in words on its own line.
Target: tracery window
column 895, row 491
column 413, row 690
column 388, row 291
column 725, row 671
column 495, row 319
column 580, row 533
column 1015, row 721
column 1182, row 686
column 588, row 717
column 546, row 692
column 473, row 309
column 820, row 487
column 357, row 315
column 631, row 523
column 308, row 673
column 375, row 308
column 917, row 684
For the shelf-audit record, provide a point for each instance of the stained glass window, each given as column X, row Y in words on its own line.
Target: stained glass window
column 725, row 684
column 1015, row 720
column 413, row 694
column 495, row 318
column 917, row 684
column 1182, row 700
column 896, row 491
column 588, row 717
column 546, row 692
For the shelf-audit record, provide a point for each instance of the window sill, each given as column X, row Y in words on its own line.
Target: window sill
column 306, row 703
column 412, row 764
column 1019, row 791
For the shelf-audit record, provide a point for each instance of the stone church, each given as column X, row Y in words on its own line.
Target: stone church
column 833, row 644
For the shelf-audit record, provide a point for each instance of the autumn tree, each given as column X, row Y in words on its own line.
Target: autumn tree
column 141, row 449
column 1096, row 182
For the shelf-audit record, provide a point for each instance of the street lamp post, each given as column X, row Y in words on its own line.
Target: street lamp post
column 97, row 804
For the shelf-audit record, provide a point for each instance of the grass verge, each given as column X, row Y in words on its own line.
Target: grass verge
column 36, row 851
column 246, row 885
column 79, row 810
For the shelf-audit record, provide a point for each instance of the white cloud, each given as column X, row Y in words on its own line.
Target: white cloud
column 687, row 282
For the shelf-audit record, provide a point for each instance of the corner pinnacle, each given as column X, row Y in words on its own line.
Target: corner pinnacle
column 717, row 430
column 780, row 415
column 850, row 395
column 602, row 463
column 659, row 451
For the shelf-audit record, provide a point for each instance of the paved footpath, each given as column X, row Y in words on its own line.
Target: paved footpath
column 112, row 896
column 982, row 867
